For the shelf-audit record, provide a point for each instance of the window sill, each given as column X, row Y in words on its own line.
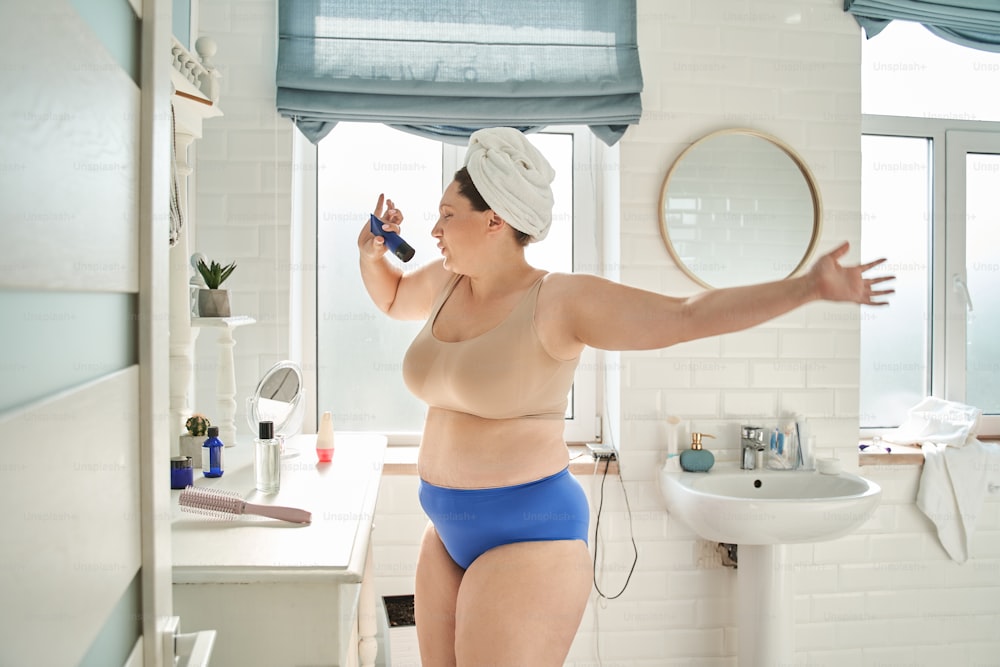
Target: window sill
column 402, row 460
column 901, row 455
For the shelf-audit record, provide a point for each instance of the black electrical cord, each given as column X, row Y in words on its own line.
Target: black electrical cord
column 597, row 529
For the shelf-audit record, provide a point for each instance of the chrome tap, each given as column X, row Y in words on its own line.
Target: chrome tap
column 752, row 441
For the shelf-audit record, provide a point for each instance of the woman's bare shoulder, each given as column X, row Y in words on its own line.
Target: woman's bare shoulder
column 575, row 284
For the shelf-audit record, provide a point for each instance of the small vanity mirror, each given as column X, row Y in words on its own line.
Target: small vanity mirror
column 279, row 399
column 739, row 207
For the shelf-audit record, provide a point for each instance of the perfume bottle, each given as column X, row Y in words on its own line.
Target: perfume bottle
column 267, row 459
column 211, row 454
column 324, row 439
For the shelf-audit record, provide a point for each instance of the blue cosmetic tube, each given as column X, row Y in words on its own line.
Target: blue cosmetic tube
column 397, row 246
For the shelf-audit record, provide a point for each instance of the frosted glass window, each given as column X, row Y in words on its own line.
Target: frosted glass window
column 896, row 205
column 359, row 349
column 909, row 71
column 55, row 341
column 982, row 241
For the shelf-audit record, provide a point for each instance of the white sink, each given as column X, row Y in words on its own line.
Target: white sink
column 736, row 506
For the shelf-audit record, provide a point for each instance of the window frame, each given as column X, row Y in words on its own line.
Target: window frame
column 949, row 141
column 589, row 157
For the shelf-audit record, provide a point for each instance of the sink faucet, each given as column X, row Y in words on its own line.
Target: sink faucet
column 752, row 440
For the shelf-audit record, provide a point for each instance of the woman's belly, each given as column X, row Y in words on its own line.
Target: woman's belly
column 462, row 451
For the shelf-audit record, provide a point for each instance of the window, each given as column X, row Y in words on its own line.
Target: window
column 931, row 204
column 359, row 350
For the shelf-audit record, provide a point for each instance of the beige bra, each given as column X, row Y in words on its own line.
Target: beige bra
column 504, row 373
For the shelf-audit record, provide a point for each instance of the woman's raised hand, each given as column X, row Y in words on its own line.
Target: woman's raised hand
column 848, row 283
column 370, row 245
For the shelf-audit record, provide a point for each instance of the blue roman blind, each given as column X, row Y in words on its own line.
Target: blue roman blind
column 971, row 23
column 444, row 69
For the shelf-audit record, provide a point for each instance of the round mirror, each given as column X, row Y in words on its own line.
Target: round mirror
column 739, row 207
column 278, row 399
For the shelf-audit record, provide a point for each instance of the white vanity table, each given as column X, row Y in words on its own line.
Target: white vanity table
column 279, row 593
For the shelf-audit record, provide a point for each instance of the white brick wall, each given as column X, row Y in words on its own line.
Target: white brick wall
column 242, row 197
column 887, row 595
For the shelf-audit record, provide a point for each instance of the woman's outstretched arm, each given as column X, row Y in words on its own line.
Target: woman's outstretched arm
column 606, row 315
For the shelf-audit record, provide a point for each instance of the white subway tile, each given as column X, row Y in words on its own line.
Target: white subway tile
column 817, row 578
column 850, row 548
column 224, row 244
column 812, row 636
column 395, row 561
column 811, row 403
column 656, row 615
column 894, row 603
column 718, row 373
column 838, row 608
column 893, row 655
column 835, row 658
column 976, row 572
column 656, row 373
column 713, row 612
column 832, row 373
column 778, row 373
column 895, row 547
column 702, row 583
column 806, row 343
column 758, row 342
column 863, row 632
column 755, row 404
column 700, row 403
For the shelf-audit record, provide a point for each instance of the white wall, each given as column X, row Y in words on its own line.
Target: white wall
column 886, row 595
column 241, row 199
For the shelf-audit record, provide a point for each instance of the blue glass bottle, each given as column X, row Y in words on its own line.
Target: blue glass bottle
column 211, row 454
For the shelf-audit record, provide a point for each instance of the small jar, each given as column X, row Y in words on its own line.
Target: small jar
column 181, row 472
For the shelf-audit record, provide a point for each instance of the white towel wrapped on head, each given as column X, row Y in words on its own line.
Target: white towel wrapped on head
column 513, row 177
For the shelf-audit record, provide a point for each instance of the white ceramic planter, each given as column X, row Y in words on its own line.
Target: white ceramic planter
column 190, row 445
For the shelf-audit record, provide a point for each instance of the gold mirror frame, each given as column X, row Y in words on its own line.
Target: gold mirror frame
column 810, row 183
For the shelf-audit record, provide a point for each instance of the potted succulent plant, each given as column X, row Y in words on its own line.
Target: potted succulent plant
column 191, row 442
column 213, row 301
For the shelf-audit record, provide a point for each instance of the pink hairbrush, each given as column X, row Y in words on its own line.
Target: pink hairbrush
column 229, row 505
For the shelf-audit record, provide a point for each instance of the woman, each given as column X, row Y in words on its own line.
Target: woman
column 503, row 575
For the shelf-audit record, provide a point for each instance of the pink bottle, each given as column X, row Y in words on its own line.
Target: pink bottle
column 324, row 438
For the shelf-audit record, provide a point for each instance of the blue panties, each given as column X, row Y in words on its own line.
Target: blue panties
column 473, row 521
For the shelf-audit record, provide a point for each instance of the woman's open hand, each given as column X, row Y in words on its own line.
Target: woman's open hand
column 372, row 246
column 848, row 283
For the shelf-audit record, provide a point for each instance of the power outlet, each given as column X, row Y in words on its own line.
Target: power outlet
column 601, row 452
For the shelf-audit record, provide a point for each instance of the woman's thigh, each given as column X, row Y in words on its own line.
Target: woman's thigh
column 437, row 583
column 521, row 604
